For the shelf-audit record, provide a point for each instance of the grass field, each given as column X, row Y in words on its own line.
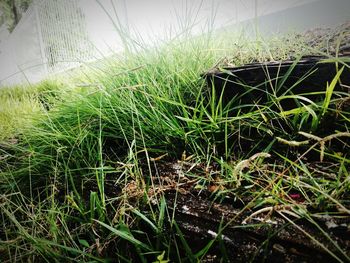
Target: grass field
column 95, row 168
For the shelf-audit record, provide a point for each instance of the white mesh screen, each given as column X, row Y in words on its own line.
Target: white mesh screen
column 50, row 37
column 64, row 37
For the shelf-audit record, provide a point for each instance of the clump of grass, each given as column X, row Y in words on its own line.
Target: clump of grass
column 19, row 105
column 80, row 183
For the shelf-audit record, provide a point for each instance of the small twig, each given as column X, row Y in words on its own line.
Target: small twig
column 336, row 135
column 270, row 209
column 292, row 143
column 310, row 136
column 245, row 164
column 322, row 141
column 262, row 210
column 285, row 211
column 159, row 157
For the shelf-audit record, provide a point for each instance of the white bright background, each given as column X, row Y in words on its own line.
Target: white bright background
column 155, row 20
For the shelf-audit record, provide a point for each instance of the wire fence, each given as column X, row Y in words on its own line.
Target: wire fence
column 51, row 37
column 64, row 38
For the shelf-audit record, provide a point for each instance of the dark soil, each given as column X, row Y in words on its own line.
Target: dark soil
column 265, row 237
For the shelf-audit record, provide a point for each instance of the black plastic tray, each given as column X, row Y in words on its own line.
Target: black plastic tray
column 253, row 83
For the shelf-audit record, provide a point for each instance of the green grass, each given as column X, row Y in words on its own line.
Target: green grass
column 19, row 105
column 79, row 182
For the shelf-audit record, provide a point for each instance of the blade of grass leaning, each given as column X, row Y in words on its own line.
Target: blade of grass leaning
column 329, row 91
column 146, row 219
column 185, row 244
column 125, row 235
